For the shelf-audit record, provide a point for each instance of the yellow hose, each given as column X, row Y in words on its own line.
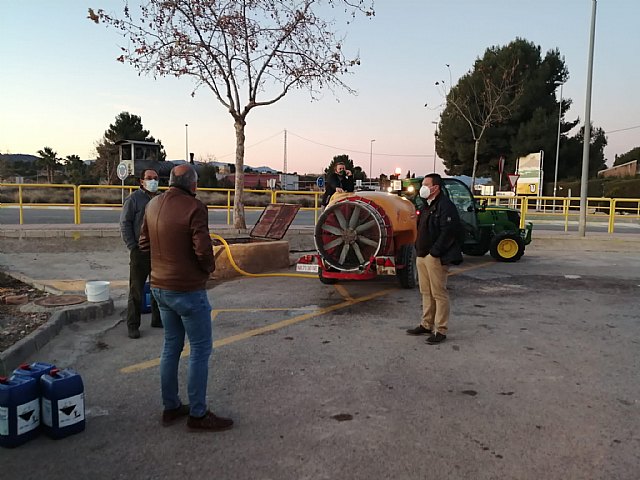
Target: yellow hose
column 242, row 272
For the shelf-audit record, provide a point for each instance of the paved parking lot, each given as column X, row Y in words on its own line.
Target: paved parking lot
column 538, row 379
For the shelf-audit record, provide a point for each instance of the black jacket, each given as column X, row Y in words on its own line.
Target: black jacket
column 438, row 231
column 337, row 181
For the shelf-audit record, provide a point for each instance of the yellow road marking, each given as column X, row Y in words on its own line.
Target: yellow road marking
column 343, row 291
column 267, row 328
column 471, row 267
column 283, row 323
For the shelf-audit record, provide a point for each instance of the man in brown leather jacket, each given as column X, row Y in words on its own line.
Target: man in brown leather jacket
column 176, row 230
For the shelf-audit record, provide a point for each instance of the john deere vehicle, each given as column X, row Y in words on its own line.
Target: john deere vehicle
column 488, row 228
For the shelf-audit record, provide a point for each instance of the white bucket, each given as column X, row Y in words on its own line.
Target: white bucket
column 97, row 291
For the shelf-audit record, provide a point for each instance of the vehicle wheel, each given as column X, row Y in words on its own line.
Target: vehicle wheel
column 507, row 247
column 474, row 250
column 408, row 276
column 325, row 280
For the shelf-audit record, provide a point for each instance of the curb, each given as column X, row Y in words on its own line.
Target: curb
column 32, row 343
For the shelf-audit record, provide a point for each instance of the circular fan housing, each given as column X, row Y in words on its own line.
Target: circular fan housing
column 350, row 232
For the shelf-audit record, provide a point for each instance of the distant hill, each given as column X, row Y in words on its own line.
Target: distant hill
column 263, row 169
column 18, row 157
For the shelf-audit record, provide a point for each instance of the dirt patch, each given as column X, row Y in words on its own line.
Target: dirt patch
column 15, row 324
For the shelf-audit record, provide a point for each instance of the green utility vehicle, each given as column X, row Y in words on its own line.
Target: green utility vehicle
column 487, row 228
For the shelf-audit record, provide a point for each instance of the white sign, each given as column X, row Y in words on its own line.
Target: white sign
column 271, row 183
column 307, row 267
column 122, row 171
column 530, row 171
column 513, row 179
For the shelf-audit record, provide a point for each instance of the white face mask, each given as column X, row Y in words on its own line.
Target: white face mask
column 151, row 185
column 425, row 191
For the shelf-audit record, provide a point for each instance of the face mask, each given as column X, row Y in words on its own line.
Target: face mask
column 151, row 185
column 425, row 191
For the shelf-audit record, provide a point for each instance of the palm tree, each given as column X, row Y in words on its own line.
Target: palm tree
column 48, row 161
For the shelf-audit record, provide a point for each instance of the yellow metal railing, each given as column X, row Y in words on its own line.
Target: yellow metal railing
column 613, row 211
column 22, row 204
column 599, row 209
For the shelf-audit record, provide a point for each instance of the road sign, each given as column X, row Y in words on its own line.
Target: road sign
column 122, row 171
column 320, row 182
column 500, row 166
column 513, row 179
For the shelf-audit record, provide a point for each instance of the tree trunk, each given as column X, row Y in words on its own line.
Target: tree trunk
column 238, row 198
column 475, row 166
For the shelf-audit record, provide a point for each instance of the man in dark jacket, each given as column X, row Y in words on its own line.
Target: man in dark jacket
column 340, row 180
column 139, row 262
column 437, row 247
column 176, row 230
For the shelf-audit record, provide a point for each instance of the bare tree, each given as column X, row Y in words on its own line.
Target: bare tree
column 483, row 98
column 249, row 53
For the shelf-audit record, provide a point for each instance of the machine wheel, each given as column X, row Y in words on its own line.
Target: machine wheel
column 507, row 247
column 408, row 276
column 475, row 250
column 325, row 280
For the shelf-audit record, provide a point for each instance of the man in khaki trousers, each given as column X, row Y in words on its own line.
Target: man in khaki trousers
column 436, row 248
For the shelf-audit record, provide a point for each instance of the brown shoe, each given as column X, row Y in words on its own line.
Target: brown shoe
column 209, row 422
column 169, row 417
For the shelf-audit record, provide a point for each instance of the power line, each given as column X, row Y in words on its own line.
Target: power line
column 622, row 129
column 254, row 144
column 357, row 151
column 330, row 146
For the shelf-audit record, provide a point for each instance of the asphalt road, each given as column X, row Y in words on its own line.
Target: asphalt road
column 538, row 378
column 10, row 216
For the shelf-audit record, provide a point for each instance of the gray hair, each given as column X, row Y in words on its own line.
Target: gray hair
column 185, row 177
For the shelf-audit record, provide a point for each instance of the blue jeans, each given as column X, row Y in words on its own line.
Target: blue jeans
column 190, row 313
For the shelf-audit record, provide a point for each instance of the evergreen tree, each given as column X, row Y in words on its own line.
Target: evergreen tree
column 125, row 127
column 48, row 161
column 531, row 124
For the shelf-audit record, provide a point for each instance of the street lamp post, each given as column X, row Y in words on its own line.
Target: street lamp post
column 371, row 162
column 435, row 155
column 186, row 142
column 555, row 178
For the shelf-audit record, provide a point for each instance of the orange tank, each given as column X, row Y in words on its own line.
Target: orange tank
column 356, row 227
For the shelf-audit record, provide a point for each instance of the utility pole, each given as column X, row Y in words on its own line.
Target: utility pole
column 186, row 142
column 435, row 154
column 371, row 162
column 555, row 178
column 284, row 183
column 586, row 139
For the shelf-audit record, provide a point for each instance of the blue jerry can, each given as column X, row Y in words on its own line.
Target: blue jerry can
column 62, row 403
column 146, row 299
column 19, row 410
column 34, row 370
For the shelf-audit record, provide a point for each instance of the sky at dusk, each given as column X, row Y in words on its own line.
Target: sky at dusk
column 61, row 86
